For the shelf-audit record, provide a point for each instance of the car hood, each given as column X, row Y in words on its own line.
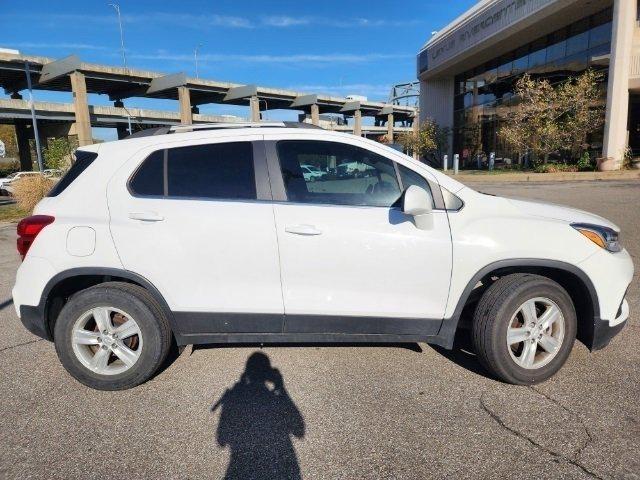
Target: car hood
column 560, row 212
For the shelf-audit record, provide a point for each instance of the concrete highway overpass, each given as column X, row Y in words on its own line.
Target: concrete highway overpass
column 70, row 74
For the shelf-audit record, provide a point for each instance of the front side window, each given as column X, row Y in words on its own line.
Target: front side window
column 216, row 171
column 336, row 173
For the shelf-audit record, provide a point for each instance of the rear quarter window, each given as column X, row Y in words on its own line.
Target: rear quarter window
column 82, row 162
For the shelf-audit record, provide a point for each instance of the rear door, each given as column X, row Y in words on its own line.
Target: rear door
column 197, row 222
column 351, row 261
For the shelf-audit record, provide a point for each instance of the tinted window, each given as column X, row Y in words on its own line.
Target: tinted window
column 343, row 174
column 148, row 180
column 409, row 177
column 222, row 170
column 82, row 162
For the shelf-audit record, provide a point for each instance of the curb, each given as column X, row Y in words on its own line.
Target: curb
column 546, row 177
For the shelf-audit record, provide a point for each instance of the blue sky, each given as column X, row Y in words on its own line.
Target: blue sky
column 334, row 47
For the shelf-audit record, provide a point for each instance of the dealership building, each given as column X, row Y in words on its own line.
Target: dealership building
column 468, row 70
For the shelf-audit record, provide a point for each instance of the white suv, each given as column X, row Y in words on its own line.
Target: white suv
column 213, row 234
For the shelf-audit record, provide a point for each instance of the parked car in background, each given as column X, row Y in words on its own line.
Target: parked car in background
column 312, row 173
column 6, row 184
column 213, row 235
column 52, row 173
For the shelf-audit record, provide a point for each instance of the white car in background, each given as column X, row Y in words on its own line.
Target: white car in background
column 7, row 182
column 211, row 234
column 311, row 173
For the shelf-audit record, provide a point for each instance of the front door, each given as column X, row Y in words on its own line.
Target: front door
column 351, row 261
column 197, row 222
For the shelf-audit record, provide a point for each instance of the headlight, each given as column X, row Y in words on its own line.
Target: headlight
column 604, row 237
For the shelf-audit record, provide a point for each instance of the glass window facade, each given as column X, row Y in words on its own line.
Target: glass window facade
column 484, row 95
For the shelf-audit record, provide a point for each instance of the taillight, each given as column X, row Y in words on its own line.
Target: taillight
column 28, row 230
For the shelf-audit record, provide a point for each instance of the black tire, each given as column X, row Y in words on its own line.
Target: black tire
column 491, row 320
column 138, row 303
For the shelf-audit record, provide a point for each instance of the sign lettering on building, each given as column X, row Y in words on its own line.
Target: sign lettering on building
column 496, row 18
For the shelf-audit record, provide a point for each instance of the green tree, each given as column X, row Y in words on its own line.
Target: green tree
column 552, row 119
column 58, row 153
column 430, row 140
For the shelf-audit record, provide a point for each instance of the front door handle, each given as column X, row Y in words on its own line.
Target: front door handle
column 308, row 230
column 146, row 216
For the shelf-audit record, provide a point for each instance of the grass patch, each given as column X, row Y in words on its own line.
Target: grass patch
column 12, row 213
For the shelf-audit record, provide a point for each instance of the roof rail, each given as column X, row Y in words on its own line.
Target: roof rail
column 217, row 126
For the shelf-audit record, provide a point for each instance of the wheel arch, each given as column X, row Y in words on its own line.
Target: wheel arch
column 577, row 284
column 68, row 282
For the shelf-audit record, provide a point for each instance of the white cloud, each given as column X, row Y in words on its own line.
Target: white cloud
column 307, row 59
column 59, row 46
column 289, row 21
column 284, row 21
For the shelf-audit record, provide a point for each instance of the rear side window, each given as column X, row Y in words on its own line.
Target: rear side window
column 218, row 171
column 83, row 160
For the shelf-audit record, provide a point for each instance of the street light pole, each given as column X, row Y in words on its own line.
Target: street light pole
column 124, row 55
column 195, row 57
column 34, row 121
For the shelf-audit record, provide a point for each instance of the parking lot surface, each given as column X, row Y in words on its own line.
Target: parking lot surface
column 330, row 411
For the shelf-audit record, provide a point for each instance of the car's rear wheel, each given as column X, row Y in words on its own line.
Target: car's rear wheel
column 112, row 336
column 524, row 328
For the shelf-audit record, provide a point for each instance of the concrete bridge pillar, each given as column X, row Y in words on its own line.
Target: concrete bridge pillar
column 390, row 125
column 81, row 108
column 23, row 134
column 254, row 107
column 184, row 98
column 357, row 122
column 122, row 131
column 315, row 114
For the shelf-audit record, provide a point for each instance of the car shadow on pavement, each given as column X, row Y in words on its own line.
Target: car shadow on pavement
column 5, row 304
column 257, row 420
column 462, row 353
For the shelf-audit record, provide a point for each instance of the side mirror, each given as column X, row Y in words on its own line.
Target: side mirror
column 416, row 201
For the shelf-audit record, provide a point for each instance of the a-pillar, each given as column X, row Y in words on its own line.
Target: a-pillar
column 315, row 114
column 254, row 106
column 617, row 113
column 357, row 123
column 81, row 109
column 23, row 134
column 390, row 125
column 184, row 98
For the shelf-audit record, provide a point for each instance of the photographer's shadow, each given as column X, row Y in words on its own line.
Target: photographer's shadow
column 257, row 419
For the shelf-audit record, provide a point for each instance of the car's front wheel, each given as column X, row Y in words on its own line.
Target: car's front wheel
column 112, row 336
column 524, row 328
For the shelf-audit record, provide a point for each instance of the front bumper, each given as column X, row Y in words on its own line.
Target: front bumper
column 605, row 330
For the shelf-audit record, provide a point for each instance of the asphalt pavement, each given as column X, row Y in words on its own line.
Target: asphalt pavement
column 331, row 411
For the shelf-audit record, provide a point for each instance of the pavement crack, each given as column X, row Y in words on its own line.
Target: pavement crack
column 558, row 456
column 20, row 344
column 588, row 437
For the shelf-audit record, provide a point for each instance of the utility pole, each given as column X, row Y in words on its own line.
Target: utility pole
column 34, row 121
column 124, row 55
column 195, row 57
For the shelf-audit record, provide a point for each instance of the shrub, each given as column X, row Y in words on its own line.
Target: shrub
column 28, row 191
column 555, row 168
column 584, row 162
column 9, row 168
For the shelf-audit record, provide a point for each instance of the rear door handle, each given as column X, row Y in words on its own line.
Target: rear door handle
column 146, row 216
column 308, row 230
